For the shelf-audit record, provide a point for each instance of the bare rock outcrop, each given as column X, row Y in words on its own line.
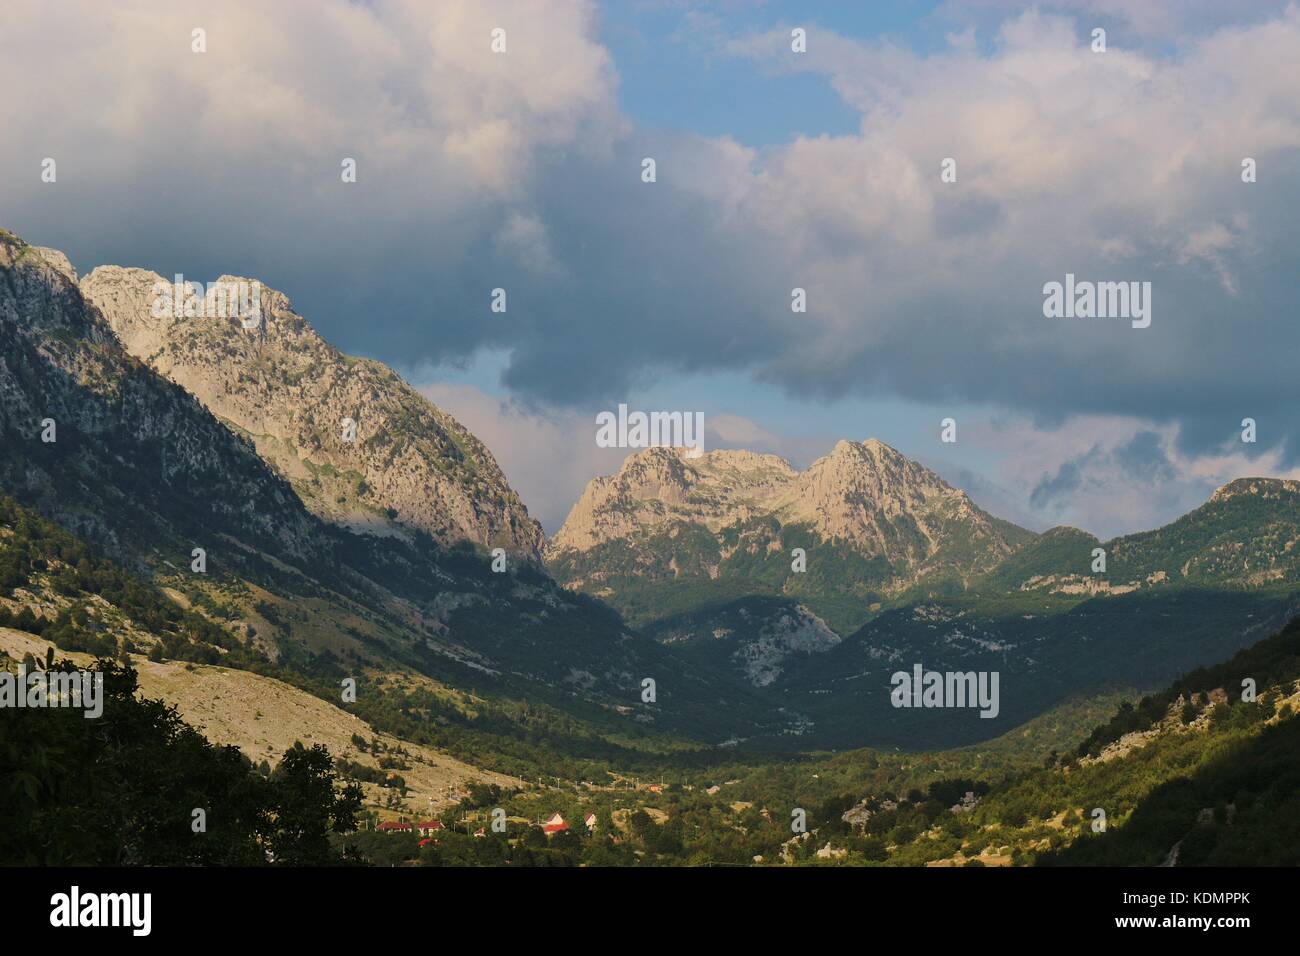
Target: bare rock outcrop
column 865, row 496
column 360, row 447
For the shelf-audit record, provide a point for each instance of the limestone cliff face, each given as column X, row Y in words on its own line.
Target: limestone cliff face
column 361, row 447
column 887, row 505
column 863, row 496
column 660, row 485
column 96, row 441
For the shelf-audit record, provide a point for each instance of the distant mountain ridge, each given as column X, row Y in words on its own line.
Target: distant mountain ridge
column 870, row 521
column 901, row 568
column 769, row 605
column 1246, row 535
column 670, row 534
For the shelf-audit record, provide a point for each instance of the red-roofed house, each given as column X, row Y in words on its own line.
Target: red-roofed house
column 554, row 824
column 392, row 826
column 429, row 827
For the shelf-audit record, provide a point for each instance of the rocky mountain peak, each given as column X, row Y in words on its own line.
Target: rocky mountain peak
column 875, row 469
column 57, row 261
column 1263, row 487
column 866, row 495
column 361, row 447
column 850, row 492
column 662, row 484
column 658, row 472
column 132, row 463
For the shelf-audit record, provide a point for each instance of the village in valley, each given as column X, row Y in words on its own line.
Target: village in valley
column 573, row 824
column 429, row 829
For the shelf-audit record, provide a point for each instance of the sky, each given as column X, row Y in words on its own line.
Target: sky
column 774, row 170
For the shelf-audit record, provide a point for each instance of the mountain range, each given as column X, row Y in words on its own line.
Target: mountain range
column 817, row 586
column 146, row 472
column 346, row 527
column 870, row 522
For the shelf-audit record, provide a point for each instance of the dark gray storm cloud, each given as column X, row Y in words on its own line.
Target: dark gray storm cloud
column 1067, row 480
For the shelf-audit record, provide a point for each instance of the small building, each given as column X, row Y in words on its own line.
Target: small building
column 590, row 821
column 429, row 827
column 554, row 824
column 967, row 803
column 393, row 826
